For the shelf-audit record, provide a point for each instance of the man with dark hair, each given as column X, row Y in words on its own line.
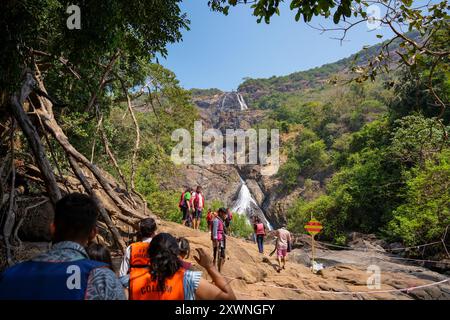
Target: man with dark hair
column 65, row 272
column 136, row 254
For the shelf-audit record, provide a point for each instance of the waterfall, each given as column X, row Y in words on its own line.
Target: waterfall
column 246, row 204
column 241, row 101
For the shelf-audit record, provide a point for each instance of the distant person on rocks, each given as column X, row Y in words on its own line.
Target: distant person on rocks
column 283, row 243
column 199, row 204
column 100, row 253
column 65, row 272
column 260, row 231
column 166, row 279
column 228, row 219
column 185, row 250
column 185, row 205
column 218, row 237
column 136, row 254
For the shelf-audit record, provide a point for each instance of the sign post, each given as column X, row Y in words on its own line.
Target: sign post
column 313, row 227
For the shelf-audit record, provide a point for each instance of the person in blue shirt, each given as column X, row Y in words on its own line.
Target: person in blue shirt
column 65, row 272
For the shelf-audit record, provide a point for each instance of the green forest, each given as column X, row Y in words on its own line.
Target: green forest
column 97, row 106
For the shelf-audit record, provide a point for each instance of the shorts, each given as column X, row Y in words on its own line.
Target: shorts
column 281, row 253
column 198, row 214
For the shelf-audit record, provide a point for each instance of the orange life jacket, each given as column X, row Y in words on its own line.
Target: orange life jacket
column 142, row 287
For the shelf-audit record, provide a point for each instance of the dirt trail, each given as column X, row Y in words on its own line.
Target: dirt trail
column 253, row 276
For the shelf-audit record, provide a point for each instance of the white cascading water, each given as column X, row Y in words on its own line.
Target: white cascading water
column 246, row 204
column 241, row 101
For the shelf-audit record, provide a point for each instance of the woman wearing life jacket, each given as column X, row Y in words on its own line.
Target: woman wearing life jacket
column 166, row 279
column 260, row 231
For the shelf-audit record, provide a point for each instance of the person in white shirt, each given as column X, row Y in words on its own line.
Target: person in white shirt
column 147, row 230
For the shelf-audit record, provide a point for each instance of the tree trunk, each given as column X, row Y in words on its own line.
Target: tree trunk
column 117, row 237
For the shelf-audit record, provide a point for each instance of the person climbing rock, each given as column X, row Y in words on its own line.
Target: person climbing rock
column 218, row 237
column 65, row 272
column 209, row 218
column 166, row 279
column 198, row 205
column 185, row 206
column 283, row 243
column 135, row 256
column 185, row 250
column 260, row 231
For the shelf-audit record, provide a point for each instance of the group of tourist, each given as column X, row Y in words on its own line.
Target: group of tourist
column 154, row 268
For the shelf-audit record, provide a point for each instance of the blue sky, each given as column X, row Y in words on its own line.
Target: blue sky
column 220, row 50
